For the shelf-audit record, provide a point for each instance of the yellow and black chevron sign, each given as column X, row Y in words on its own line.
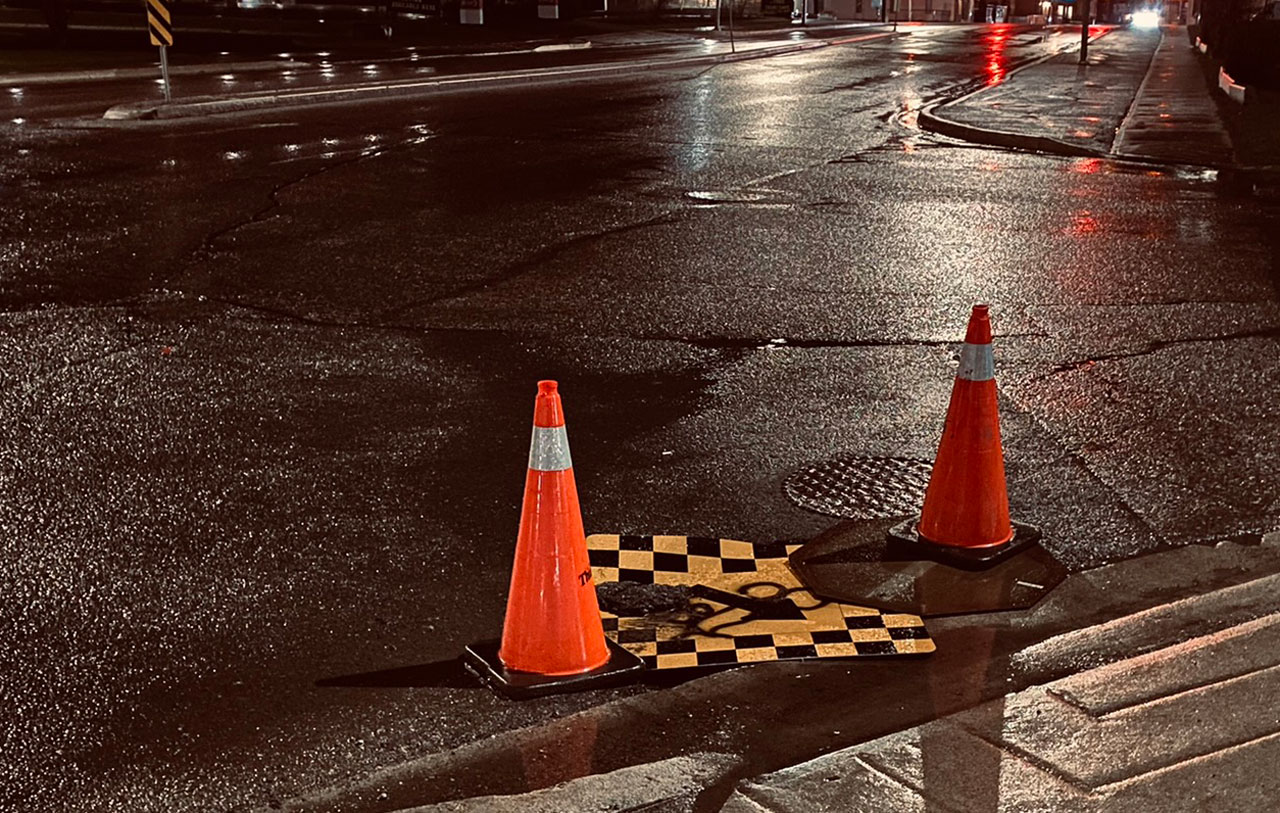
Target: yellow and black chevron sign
column 158, row 22
column 743, row 605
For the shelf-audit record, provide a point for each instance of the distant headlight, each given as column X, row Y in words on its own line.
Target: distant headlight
column 1146, row 19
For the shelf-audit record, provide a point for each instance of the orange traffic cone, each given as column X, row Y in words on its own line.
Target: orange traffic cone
column 965, row 519
column 553, row 622
column 553, row 639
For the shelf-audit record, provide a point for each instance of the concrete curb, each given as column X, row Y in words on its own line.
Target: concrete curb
column 209, row 106
column 1002, row 138
column 1050, row 146
column 1126, row 121
column 1235, row 91
column 1086, row 600
column 57, row 77
column 931, row 121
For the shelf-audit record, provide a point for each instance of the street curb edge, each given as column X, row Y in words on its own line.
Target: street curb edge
column 1002, row 138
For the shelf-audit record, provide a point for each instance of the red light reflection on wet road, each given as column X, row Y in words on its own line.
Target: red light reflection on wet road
column 997, row 59
column 1086, row 166
column 1083, row 223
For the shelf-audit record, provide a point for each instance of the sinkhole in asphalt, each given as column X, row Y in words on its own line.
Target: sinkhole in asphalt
column 860, row 487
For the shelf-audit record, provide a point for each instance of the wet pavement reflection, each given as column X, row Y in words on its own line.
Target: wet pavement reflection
column 266, row 396
column 997, row 60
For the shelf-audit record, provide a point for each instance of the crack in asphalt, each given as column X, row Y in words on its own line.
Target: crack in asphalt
column 773, row 176
column 1155, row 347
column 519, row 268
column 851, row 158
column 701, row 73
column 859, row 83
column 44, row 377
column 1164, row 540
column 782, row 342
column 208, row 246
column 710, row 343
column 338, row 324
column 1077, row 455
column 1150, row 303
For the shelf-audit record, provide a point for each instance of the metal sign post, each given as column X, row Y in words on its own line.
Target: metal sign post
column 164, row 71
column 1084, row 32
column 160, row 26
column 733, row 47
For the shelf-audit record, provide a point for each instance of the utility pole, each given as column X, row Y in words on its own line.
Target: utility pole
column 1084, row 32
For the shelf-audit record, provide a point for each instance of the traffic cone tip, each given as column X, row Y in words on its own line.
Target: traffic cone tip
column 547, row 409
column 979, row 331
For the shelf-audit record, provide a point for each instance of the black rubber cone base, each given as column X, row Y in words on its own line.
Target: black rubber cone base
column 855, row 562
column 482, row 660
column 910, row 545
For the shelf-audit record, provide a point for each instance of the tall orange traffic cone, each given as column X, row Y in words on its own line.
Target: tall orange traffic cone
column 553, row 621
column 965, row 519
column 966, row 505
column 552, row 639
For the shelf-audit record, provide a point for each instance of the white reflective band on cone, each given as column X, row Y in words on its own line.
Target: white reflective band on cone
column 976, row 363
column 549, row 449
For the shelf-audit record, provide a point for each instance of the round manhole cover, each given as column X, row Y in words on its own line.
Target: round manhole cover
column 861, row 487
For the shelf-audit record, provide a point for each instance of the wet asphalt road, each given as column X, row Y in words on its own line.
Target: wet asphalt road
column 267, row 387
column 248, row 73
column 292, row 71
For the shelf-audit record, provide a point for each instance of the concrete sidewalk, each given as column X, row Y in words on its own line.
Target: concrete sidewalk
column 1173, row 117
column 1192, row 725
column 1142, row 95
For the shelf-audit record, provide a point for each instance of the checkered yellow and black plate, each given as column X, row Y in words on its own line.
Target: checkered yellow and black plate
column 745, row 606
